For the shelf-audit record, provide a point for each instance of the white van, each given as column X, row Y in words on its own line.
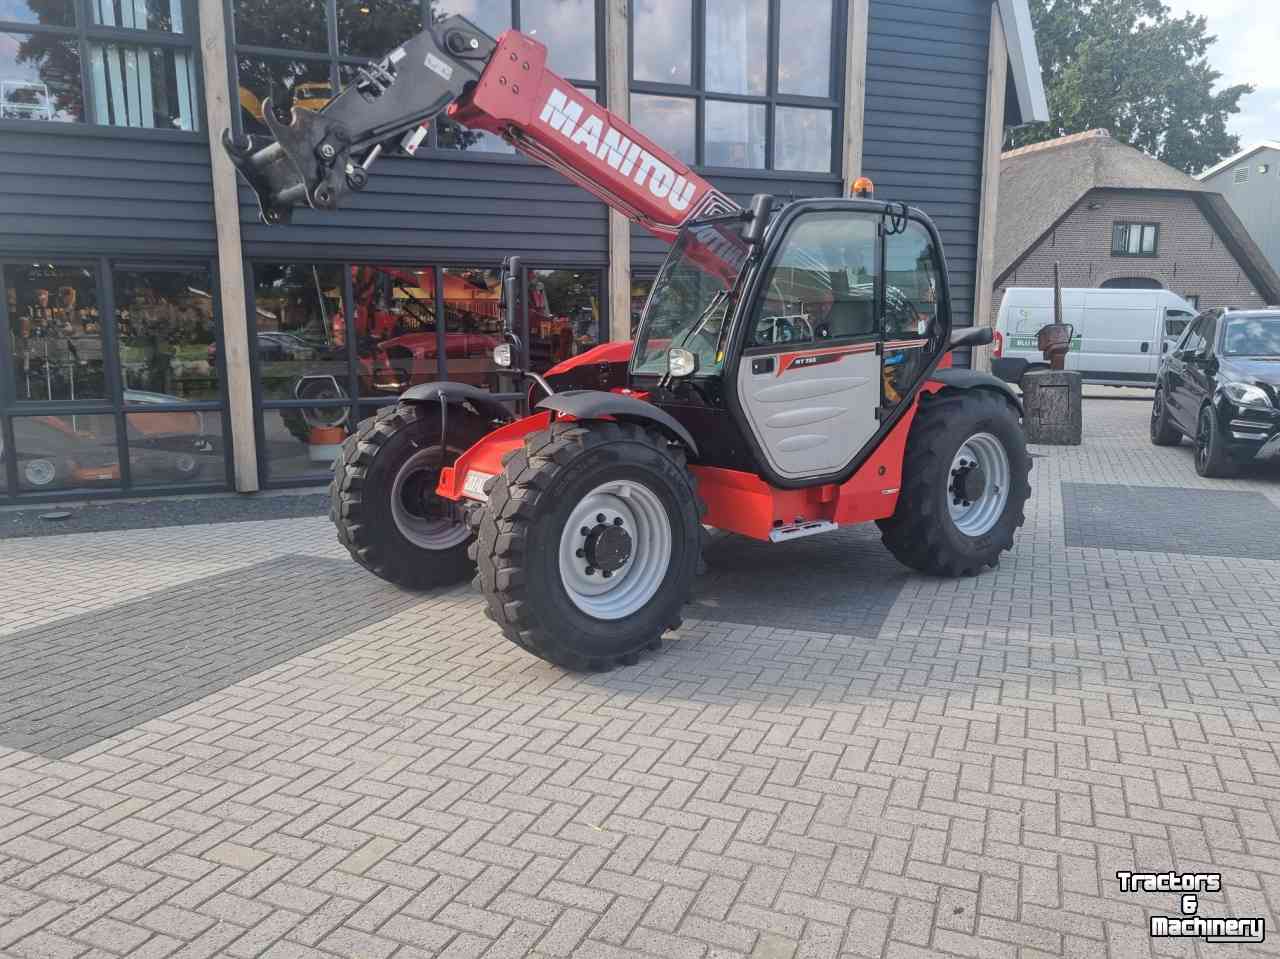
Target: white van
column 1118, row 339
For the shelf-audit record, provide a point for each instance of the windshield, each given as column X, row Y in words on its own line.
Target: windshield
column 692, row 299
column 1252, row 336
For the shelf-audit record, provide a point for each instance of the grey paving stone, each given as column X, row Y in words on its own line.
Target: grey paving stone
column 834, row 757
column 1189, row 522
column 77, row 681
column 160, row 512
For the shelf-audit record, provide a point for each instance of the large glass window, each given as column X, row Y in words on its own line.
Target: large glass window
column 300, row 332
column 167, row 334
column 151, row 83
column 337, row 341
column 564, row 315
column 55, row 332
column 473, row 324
column 738, row 83
column 40, row 78
column 287, row 52
column 109, row 376
column 396, row 333
column 674, row 118
column 66, row 452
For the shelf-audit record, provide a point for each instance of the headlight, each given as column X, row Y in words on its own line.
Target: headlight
column 682, row 363
column 1246, row 395
column 502, row 355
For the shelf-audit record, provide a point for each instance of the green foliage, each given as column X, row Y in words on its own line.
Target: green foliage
column 1133, row 68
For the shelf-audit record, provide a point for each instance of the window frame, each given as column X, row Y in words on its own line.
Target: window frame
column 336, row 61
column 113, row 403
column 697, row 91
column 85, row 32
column 1141, row 226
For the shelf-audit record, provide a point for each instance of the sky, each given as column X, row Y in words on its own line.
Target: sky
column 1248, row 33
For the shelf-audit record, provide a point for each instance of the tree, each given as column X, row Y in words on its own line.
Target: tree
column 1133, row 68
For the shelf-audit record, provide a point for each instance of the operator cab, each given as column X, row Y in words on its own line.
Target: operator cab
column 793, row 339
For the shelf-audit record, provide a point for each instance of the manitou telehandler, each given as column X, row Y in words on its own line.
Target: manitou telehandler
column 791, row 374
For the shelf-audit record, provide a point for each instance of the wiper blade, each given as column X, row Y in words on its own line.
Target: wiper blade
column 742, row 216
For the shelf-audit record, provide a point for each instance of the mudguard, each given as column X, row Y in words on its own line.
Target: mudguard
column 960, row 379
column 595, row 405
column 456, row 394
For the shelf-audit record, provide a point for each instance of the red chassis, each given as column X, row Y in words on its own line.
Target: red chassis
column 737, row 501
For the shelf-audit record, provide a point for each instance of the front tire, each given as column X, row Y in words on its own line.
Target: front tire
column 1212, row 459
column 1163, row 432
column 383, row 501
column 590, row 542
column 964, row 485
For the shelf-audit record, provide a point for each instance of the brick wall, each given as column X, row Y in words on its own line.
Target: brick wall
column 1192, row 260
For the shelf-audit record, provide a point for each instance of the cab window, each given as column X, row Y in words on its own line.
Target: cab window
column 911, row 284
column 1175, row 321
column 1193, row 341
column 822, row 284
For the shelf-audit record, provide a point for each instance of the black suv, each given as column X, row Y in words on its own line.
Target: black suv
column 1221, row 386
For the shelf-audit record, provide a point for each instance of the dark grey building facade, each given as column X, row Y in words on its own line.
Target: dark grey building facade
column 135, row 358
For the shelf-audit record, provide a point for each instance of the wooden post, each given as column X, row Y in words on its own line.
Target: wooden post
column 993, row 139
column 855, row 92
column 226, row 215
column 618, row 89
column 1057, row 294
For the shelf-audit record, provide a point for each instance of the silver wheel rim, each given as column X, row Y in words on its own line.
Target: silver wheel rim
column 184, row 463
column 638, row 511
column 987, row 455
column 40, row 472
column 425, row 532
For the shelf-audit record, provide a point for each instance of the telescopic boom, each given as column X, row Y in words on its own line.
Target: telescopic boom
column 454, row 69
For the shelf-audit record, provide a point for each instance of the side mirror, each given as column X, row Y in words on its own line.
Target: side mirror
column 761, row 206
column 971, row 336
column 681, row 363
column 508, row 304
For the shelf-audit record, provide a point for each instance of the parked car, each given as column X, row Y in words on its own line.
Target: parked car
column 1220, row 385
column 277, row 347
column 1118, row 339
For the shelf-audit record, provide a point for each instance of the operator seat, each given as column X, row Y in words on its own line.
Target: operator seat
column 853, row 311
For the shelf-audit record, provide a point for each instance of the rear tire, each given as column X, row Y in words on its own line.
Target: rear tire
column 1212, row 459
column 962, row 444
column 577, row 502
column 1163, row 432
column 382, row 502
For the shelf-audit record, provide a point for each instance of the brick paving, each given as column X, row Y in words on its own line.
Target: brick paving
column 226, row 740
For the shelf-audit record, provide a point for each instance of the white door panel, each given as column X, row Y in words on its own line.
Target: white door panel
column 815, row 410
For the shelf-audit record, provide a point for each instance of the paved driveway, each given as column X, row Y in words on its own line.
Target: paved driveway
column 227, row 740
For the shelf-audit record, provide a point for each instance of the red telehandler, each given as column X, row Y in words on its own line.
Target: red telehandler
column 791, row 374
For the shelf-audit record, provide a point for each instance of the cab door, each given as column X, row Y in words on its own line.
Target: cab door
column 809, row 379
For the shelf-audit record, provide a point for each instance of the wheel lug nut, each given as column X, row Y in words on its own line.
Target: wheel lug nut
column 606, row 574
column 599, row 517
column 591, row 570
column 617, row 521
column 581, row 553
column 585, row 531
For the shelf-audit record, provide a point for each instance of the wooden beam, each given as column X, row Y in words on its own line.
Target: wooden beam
column 993, row 139
column 226, row 214
column 855, row 91
column 618, row 91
